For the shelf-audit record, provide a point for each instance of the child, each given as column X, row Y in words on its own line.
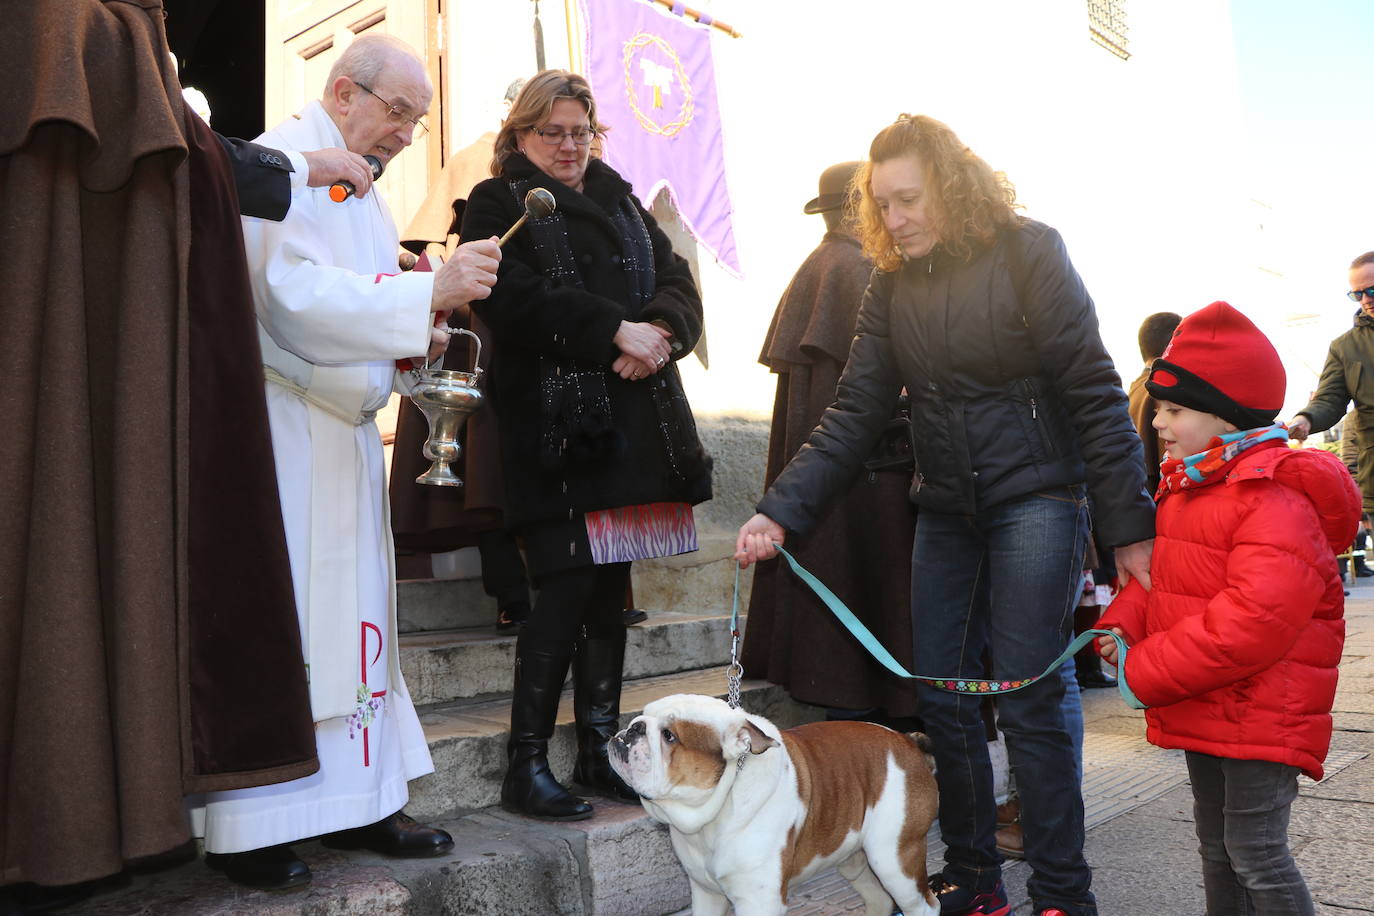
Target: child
column 1235, row 647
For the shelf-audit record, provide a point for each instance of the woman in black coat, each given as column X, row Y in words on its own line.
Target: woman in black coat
column 599, row 450
column 1017, row 414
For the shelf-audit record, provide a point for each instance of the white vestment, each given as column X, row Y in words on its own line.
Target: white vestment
column 331, row 328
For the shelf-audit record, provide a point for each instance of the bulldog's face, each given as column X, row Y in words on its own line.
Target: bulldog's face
column 678, row 749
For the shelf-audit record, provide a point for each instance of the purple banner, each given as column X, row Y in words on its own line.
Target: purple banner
column 655, row 87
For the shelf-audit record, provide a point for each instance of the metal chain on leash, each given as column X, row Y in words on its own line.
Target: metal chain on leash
column 735, row 672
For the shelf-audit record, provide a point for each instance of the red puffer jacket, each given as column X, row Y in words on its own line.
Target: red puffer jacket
column 1235, row 648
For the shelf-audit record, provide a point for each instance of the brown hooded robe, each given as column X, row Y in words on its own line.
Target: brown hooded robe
column 428, row 519
column 148, row 640
column 862, row 547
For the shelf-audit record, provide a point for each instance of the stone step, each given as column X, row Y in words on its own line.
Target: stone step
column 468, row 739
column 618, row 863
column 701, row 582
column 446, row 665
column 443, row 604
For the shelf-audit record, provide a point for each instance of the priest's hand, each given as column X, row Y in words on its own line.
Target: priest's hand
column 467, row 276
column 756, row 541
column 439, row 337
column 328, row 166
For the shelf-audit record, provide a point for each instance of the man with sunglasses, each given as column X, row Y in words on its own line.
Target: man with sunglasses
column 1349, row 376
column 334, row 319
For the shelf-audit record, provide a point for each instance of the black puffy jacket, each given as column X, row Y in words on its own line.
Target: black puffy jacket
column 1012, row 391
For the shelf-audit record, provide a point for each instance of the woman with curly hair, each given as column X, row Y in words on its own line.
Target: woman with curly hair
column 1018, row 416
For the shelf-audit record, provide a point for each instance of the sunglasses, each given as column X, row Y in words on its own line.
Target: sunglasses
column 1356, row 294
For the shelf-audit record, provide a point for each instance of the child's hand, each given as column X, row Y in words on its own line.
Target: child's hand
column 1106, row 646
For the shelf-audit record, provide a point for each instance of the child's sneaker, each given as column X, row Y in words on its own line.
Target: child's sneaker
column 965, row 901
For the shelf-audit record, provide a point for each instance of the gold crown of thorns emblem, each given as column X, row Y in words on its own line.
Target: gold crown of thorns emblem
column 661, row 80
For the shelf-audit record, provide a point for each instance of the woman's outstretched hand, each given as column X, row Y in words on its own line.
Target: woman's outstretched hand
column 756, row 539
column 1133, row 562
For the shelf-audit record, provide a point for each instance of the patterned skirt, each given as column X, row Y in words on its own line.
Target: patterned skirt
column 611, row 536
column 641, row 532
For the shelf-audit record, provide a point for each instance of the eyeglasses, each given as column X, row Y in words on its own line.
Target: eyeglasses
column 553, row 136
column 395, row 113
column 1355, row 294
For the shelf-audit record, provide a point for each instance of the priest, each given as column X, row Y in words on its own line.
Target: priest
column 333, row 320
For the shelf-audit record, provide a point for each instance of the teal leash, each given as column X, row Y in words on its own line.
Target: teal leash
column 875, row 648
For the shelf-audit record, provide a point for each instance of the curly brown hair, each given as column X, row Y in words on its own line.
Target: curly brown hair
column 967, row 201
column 532, row 107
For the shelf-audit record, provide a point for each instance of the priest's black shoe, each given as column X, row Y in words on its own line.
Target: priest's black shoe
column 272, row 868
column 399, row 835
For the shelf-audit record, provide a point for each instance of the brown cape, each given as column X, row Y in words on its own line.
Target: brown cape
column 148, row 642
column 862, row 547
column 428, row 519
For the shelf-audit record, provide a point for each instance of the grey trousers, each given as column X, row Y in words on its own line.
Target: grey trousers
column 1240, row 808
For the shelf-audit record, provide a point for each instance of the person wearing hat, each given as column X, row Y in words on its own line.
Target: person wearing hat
column 862, row 548
column 1235, row 648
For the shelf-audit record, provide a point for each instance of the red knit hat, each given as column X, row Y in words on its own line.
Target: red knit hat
column 1220, row 363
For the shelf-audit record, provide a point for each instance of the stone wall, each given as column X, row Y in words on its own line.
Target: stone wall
column 704, row 580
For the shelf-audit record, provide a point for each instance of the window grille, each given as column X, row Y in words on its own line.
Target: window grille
column 1107, row 26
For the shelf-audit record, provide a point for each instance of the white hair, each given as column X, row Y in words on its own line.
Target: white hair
column 366, row 57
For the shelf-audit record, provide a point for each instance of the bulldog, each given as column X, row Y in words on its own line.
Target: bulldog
column 752, row 810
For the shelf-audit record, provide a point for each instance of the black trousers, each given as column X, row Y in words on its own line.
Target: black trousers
column 590, row 597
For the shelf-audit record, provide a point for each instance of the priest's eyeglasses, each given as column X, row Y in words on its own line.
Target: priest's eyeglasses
column 396, row 114
column 1355, row 294
column 553, row 136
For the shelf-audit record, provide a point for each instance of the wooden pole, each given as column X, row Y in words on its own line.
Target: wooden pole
column 568, row 23
column 697, row 14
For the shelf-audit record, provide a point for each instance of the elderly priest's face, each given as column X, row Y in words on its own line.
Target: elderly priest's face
column 379, row 120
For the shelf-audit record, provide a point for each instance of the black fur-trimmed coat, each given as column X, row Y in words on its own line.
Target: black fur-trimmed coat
column 537, row 322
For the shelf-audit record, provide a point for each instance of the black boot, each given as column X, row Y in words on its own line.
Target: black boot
column 597, row 668
column 529, row 787
column 1360, row 550
column 1088, row 669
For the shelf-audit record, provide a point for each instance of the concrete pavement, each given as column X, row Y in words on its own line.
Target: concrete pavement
column 1138, row 804
column 1139, row 808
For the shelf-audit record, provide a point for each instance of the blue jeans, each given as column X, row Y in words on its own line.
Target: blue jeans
column 1004, row 579
column 1241, row 812
column 1072, row 707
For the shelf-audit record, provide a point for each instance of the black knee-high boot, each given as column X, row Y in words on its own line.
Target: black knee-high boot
column 598, row 665
column 530, row 787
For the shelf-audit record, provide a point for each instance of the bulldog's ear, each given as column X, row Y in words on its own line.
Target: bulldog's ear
column 752, row 739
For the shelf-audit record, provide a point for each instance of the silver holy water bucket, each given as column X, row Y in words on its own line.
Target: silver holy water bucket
column 446, row 397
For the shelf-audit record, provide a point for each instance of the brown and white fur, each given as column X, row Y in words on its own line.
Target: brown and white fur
column 752, row 810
